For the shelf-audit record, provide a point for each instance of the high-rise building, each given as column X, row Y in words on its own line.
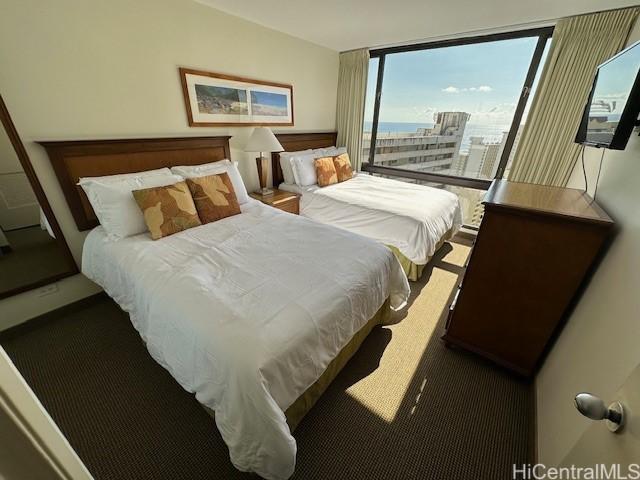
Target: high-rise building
column 514, row 148
column 482, row 159
column 427, row 149
column 476, row 154
column 450, row 123
column 459, row 166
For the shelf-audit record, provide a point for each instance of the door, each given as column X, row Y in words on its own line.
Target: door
column 599, row 446
column 31, row 446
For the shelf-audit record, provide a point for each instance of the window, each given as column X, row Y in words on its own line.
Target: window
column 450, row 113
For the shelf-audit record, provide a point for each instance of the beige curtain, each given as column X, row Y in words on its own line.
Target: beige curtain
column 547, row 153
column 352, row 86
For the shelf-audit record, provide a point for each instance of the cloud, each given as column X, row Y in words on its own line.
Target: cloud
column 424, row 111
column 495, row 114
column 481, row 88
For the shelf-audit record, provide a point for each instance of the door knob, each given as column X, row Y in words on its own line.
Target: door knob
column 594, row 408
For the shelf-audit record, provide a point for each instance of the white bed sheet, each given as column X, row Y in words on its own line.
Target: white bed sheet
column 247, row 313
column 413, row 218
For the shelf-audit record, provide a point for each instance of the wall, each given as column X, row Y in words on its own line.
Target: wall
column 18, row 204
column 598, row 445
column 598, row 348
column 79, row 69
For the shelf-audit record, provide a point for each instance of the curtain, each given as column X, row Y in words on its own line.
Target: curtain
column 352, row 86
column 547, row 153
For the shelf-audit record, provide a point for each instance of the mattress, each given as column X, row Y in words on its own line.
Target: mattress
column 247, row 313
column 415, row 219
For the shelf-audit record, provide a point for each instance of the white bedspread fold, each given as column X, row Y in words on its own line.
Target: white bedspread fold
column 247, row 313
column 413, row 218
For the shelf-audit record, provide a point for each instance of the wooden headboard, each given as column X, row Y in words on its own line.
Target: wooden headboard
column 72, row 160
column 292, row 142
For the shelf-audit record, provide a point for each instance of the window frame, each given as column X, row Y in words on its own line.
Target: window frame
column 544, row 34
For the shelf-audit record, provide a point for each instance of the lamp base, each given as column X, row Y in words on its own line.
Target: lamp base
column 263, row 172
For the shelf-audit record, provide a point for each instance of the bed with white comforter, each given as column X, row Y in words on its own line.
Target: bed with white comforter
column 413, row 218
column 247, row 312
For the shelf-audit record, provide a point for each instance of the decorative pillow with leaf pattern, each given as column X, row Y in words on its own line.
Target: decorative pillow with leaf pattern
column 214, row 197
column 167, row 210
column 342, row 163
column 325, row 171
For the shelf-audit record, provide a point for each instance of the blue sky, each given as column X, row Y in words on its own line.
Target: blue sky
column 268, row 98
column 483, row 79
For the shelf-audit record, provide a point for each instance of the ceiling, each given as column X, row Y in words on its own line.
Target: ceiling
column 347, row 24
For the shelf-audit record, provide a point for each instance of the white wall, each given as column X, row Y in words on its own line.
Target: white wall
column 598, row 348
column 9, row 162
column 74, row 69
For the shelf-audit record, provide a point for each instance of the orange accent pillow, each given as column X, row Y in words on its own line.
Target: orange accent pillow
column 214, row 197
column 342, row 164
column 167, row 210
column 325, row 171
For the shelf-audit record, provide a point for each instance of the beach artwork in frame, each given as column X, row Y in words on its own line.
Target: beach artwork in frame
column 214, row 99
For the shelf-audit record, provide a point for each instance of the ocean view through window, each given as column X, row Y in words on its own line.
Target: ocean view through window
column 449, row 114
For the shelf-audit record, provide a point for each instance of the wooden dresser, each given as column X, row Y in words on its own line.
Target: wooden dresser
column 535, row 247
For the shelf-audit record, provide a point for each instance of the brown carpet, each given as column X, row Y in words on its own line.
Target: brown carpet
column 405, row 407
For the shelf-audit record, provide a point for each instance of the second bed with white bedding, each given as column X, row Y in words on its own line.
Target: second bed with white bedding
column 413, row 218
column 247, row 312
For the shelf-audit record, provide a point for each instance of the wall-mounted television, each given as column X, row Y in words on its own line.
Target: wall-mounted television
column 613, row 108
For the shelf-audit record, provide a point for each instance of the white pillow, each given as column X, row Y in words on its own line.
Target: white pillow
column 114, row 204
column 124, row 176
column 330, row 151
column 285, row 165
column 303, row 166
column 335, row 151
column 304, row 169
column 213, row 168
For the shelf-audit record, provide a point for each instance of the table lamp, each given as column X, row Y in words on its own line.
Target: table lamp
column 263, row 140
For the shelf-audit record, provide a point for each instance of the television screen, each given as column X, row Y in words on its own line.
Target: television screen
column 614, row 103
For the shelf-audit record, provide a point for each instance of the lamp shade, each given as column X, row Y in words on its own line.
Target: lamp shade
column 262, row 139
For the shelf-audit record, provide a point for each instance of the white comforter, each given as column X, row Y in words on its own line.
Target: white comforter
column 247, row 312
column 413, row 218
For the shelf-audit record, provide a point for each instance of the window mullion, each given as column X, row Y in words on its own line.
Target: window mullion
column 522, row 103
column 376, row 109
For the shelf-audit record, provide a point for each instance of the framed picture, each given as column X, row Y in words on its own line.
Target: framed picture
column 214, row 99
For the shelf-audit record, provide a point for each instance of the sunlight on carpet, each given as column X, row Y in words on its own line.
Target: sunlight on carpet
column 410, row 337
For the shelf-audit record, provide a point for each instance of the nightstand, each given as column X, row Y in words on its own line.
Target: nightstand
column 285, row 201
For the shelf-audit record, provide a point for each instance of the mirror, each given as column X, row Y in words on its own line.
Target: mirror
column 33, row 251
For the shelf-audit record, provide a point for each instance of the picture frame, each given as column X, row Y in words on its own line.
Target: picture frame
column 220, row 100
